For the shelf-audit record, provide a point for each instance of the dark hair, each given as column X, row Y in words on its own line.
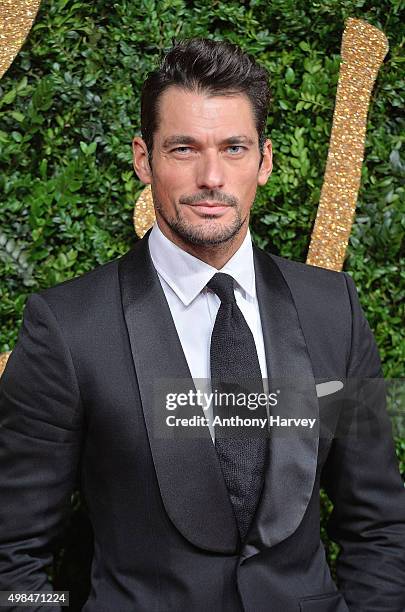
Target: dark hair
column 218, row 68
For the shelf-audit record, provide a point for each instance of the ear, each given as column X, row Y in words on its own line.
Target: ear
column 267, row 164
column 141, row 160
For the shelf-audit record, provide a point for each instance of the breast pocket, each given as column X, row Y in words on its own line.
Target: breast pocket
column 328, row 602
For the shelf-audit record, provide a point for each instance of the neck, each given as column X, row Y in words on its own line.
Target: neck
column 216, row 255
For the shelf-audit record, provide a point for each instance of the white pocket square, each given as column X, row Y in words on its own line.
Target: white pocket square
column 326, row 388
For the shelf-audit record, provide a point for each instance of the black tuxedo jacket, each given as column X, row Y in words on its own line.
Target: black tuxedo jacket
column 76, row 408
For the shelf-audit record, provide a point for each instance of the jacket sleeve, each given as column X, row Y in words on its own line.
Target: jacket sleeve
column 362, row 479
column 40, row 430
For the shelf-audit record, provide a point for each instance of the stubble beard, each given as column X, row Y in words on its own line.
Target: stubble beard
column 211, row 232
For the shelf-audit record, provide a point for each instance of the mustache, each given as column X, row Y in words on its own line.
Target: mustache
column 210, row 195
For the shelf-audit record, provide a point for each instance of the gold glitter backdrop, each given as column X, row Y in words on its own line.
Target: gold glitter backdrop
column 3, row 360
column 16, row 19
column 144, row 212
column 363, row 50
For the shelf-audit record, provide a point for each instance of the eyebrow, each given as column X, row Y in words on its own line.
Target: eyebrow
column 183, row 139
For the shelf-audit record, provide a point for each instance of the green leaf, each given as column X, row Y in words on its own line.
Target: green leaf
column 17, row 116
column 289, row 75
column 9, row 97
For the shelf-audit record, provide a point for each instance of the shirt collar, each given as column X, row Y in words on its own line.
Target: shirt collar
column 187, row 275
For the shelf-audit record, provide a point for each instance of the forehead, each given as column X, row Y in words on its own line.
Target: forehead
column 201, row 114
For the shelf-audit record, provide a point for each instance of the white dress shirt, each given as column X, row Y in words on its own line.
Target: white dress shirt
column 194, row 307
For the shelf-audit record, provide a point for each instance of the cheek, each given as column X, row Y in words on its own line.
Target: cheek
column 173, row 180
column 245, row 190
column 246, row 182
column 245, row 172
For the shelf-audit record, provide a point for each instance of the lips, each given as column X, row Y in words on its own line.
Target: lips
column 209, row 208
column 210, row 204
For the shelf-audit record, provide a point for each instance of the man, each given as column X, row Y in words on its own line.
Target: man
column 196, row 522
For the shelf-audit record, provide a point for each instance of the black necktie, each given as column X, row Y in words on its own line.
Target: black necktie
column 235, row 368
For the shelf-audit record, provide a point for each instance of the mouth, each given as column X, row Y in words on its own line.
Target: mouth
column 209, row 208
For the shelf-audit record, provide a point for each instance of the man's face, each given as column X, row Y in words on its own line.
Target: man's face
column 205, row 166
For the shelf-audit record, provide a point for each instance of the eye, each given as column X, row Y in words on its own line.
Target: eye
column 235, row 149
column 181, row 150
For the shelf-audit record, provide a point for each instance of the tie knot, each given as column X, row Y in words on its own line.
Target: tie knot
column 222, row 285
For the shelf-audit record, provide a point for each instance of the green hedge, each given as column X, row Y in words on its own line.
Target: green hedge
column 69, row 107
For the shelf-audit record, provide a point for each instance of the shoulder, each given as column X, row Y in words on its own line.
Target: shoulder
column 77, row 302
column 87, row 286
column 315, row 291
column 307, row 281
column 323, row 300
column 311, row 276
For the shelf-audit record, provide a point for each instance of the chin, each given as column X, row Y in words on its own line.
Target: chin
column 201, row 235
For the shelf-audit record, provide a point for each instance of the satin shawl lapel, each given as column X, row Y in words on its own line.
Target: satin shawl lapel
column 190, row 479
column 290, row 474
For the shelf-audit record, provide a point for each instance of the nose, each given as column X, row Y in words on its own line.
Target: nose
column 210, row 171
